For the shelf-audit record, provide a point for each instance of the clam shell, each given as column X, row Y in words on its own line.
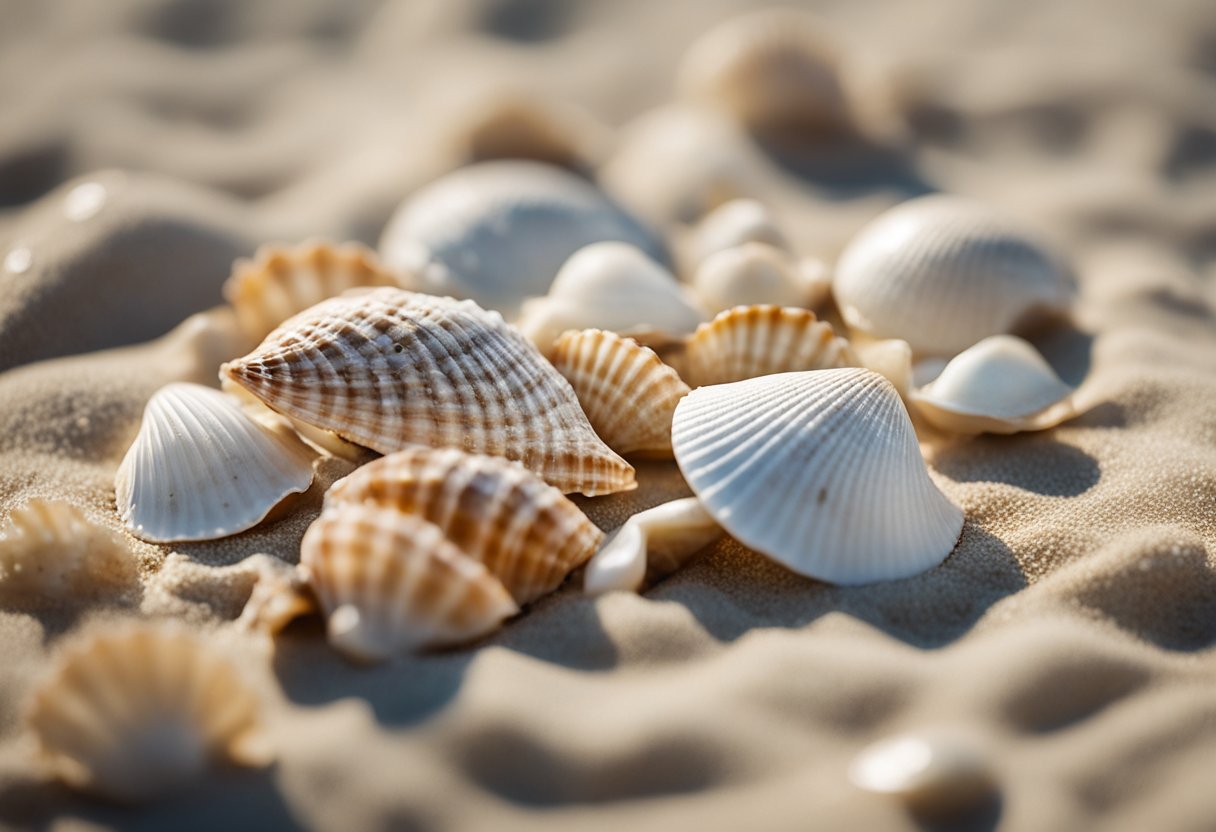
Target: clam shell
column 750, row 341
column 628, row 394
column 389, row 368
column 756, row 273
column 497, row 232
column 135, row 713
column 821, row 471
column 1001, row 385
column 943, row 272
column 201, row 469
column 525, row 532
column 281, row 281
column 616, row 287
column 734, row 223
column 51, row 552
column 391, row 582
column 657, row 541
column 935, row 771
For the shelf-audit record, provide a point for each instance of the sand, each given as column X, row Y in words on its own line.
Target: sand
column 1070, row 635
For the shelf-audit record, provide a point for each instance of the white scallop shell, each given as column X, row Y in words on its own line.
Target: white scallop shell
column 756, row 273
column 929, row 771
column 497, row 232
column 819, row 470
column 200, row 468
column 733, row 224
column 612, row 286
column 1001, row 385
column 658, row 540
column 943, row 272
column 136, row 713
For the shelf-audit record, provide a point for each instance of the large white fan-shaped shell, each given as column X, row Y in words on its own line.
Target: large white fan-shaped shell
column 820, row 471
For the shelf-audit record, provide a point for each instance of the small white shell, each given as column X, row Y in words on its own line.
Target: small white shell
column 756, row 273
column 612, row 286
column 891, row 358
column 1001, row 385
column 930, row 772
column 819, row 470
column 201, row 469
column 943, row 272
column 733, row 224
column 497, row 232
column 661, row 538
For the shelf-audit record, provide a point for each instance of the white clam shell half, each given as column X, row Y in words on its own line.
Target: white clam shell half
column 663, row 537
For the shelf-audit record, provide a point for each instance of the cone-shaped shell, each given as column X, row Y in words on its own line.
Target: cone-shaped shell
column 628, row 394
column 525, row 532
column 138, row 712
column 391, row 582
column 821, row 471
column 656, row 541
column 281, row 281
column 750, row 341
column 1001, row 385
column 943, row 272
column 390, row 368
column 754, row 274
column 200, row 468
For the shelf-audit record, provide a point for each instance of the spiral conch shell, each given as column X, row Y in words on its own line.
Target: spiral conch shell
column 750, row 341
column 389, row 368
column 140, row 711
column 821, row 471
column 943, row 272
column 628, row 394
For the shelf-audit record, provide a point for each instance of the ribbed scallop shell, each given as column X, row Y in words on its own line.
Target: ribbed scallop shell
column 821, row 471
column 734, row 223
column 51, row 552
column 627, row 393
column 943, row 272
column 135, row 713
column 391, row 582
column 281, row 281
column 616, row 287
column 390, row 368
column 1001, row 385
column 750, row 341
column 756, row 273
column 653, row 542
column 497, row 232
column 525, row 532
column 201, row 469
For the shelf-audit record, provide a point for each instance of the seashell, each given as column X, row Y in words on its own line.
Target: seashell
column 821, row 471
column 1001, row 385
column 281, row 593
column 322, row 441
column 755, row 273
column 943, row 272
column 774, row 69
column 390, row 368
column 497, row 232
column 508, row 124
column 283, row 281
column 51, row 552
column 929, row 771
column 627, row 393
column 891, row 358
column 750, row 341
column 391, row 582
column 616, row 287
column 734, row 223
column 662, row 538
column 138, row 712
column 525, row 532
column 201, row 469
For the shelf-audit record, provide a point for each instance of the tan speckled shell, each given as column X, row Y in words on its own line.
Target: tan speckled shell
column 750, row 341
column 627, row 393
column 525, row 532
column 389, row 368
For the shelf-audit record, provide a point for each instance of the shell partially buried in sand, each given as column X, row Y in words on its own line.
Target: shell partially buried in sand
column 390, row 368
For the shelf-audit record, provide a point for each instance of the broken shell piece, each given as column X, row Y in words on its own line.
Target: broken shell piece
column 930, row 772
column 890, row 358
column 136, row 713
column 821, row 471
column 627, row 393
column 525, row 532
column 389, row 368
column 201, row 469
column 654, row 542
column 756, row 273
column 281, row 281
column 750, row 341
column 391, row 582
column 734, row 223
column 1001, row 385
column 616, row 287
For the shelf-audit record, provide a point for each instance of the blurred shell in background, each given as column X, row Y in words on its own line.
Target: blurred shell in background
column 936, row 771
column 732, row 224
column 514, row 124
column 757, row 273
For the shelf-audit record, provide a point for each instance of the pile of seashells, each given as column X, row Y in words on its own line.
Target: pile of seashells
column 525, row 336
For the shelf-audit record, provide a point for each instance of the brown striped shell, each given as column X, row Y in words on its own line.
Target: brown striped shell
column 750, row 341
column 525, row 532
column 628, row 394
column 389, row 368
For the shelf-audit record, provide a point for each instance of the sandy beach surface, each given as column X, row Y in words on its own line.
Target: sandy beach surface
column 1069, row 636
